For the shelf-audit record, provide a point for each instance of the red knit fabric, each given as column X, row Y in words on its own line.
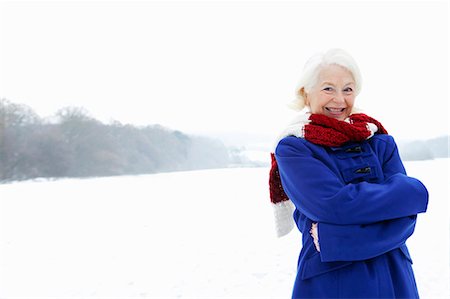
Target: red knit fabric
column 363, row 118
column 277, row 193
column 326, row 131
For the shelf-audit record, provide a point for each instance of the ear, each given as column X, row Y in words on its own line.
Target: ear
column 303, row 93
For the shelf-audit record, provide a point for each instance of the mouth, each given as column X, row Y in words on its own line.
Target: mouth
column 335, row 110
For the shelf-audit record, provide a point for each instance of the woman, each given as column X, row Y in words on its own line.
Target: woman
column 353, row 202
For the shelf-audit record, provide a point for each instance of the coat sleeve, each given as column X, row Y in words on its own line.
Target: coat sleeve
column 393, row 164
column 360, row 242
column 321, row 196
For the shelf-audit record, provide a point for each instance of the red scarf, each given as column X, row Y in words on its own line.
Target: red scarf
column 326, row 131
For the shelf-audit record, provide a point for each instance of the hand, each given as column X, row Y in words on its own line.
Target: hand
column 315, row 235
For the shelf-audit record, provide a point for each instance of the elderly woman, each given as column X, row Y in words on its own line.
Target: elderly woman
column 341, row 175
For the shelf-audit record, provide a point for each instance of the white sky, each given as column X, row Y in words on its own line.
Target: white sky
column 210, row 66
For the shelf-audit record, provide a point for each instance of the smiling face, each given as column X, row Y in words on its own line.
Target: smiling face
column 334, row 93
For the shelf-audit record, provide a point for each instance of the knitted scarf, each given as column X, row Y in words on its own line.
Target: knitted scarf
column 322, row 130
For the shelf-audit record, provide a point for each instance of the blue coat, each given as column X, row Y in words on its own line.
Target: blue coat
column 366, row 208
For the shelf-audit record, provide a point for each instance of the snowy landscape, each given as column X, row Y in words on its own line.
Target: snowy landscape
column 99, row 93
column 195, row 234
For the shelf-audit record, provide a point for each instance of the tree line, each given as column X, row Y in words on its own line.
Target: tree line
column 74, row 144
column 425, row 149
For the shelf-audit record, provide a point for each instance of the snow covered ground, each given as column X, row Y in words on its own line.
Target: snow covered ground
column 198, row 234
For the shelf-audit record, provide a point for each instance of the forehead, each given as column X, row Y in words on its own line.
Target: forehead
column 335, row 74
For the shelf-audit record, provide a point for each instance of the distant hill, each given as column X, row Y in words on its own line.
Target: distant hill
column 74, row 144
column 425, row 149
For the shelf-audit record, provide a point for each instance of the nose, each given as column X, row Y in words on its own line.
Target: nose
column 339, row 98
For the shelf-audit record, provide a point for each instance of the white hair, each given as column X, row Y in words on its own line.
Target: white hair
column 313, row 67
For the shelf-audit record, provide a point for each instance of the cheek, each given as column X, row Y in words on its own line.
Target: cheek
column 323, row 100
column 350, row 101
column 319, row 103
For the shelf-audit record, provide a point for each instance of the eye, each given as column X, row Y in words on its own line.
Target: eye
column 328, row 89
column 348, row 90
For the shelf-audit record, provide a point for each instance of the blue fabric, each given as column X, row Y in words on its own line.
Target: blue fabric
column 366, row 208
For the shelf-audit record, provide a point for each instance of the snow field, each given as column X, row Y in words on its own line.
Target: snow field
column 197, row 234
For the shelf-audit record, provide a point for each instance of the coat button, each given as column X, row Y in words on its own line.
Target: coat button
column 356, row 149
column 363, row 170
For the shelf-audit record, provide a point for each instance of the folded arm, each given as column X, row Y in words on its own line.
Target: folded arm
column 361, row 242
column 321, row 196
